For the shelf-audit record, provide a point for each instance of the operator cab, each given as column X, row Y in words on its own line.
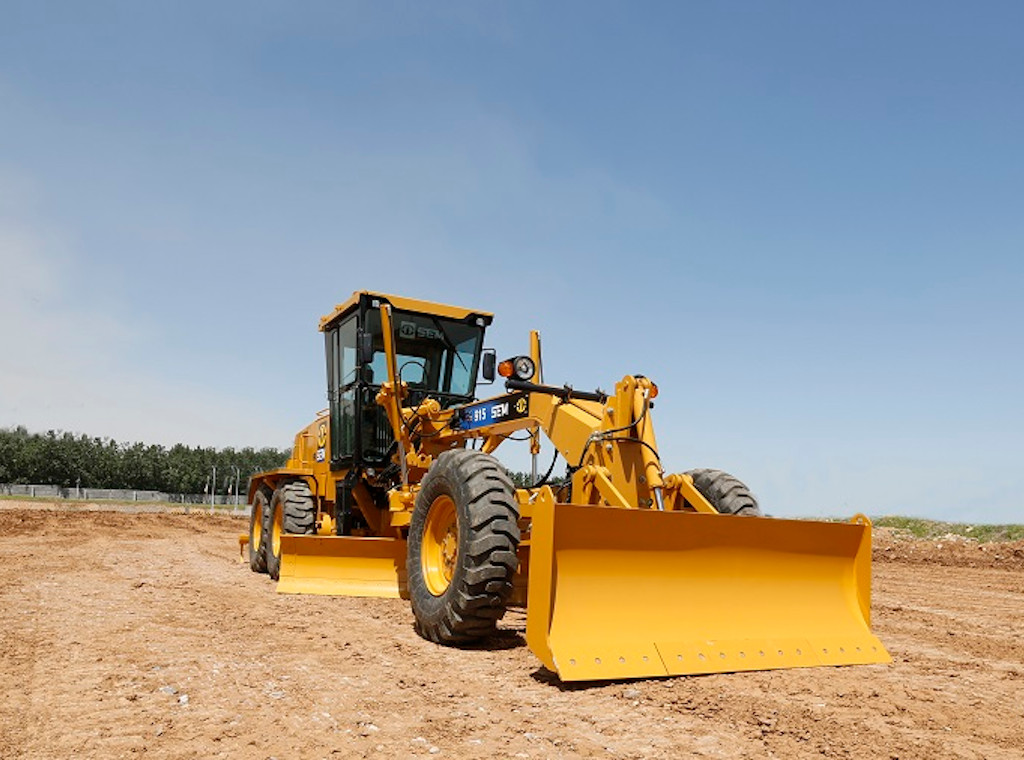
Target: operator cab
column 437, row 348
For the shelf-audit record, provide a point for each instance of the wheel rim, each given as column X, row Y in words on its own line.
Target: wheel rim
column 440, row 546
column 257, row 527
column 276, row 529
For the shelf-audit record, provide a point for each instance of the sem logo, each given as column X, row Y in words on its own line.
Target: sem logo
column 411, row 331
column 521, row 405
column 321, row 435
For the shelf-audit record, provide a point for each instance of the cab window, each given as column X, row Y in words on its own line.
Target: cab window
column 433, row 354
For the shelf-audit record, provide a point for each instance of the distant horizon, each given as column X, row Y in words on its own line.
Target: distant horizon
column 224, row 450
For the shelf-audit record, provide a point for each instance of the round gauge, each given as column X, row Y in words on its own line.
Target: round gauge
column 524, row 368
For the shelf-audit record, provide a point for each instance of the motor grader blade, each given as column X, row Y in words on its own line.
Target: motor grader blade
column 628, row 593
column 343, row 566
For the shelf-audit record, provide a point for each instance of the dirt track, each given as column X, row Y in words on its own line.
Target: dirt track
column 129, row 634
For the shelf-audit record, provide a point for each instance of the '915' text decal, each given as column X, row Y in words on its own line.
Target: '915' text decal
column 511, row 407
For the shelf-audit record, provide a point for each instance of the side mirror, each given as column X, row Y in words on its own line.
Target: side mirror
column 364, row 347
column 490, row 362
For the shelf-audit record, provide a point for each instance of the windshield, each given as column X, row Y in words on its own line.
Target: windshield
column 432, row 353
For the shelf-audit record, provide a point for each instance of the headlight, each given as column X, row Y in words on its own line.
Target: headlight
column 519, row 367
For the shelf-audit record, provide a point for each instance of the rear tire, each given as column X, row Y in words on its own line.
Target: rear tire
column 258, row 536
column 463, row 536
column 292, row 510
column 726, row 493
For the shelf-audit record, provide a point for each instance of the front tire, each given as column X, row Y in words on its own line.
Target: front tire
column 728, row 494
column 463, row 536
column 292, row 510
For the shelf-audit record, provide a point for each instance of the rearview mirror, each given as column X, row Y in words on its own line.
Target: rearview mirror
column 490, row 361
column 364, row 347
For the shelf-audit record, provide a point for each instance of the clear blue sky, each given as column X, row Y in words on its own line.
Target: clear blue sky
column 803, row 220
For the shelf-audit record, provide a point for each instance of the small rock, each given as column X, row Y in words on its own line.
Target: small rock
column 418, row 740
column 434, row 750
column 631, row 694
column 169, row 689
column 183, row 699
column 159, row 731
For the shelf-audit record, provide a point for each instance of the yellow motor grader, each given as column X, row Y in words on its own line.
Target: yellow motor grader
column 626, row 570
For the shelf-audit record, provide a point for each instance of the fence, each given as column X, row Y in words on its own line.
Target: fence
column 116, row 494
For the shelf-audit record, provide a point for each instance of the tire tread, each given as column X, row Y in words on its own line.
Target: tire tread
column 727, row 493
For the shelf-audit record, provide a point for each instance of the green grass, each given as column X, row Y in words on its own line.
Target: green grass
column 921, row 528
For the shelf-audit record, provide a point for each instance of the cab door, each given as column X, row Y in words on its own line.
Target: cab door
column 342, row 390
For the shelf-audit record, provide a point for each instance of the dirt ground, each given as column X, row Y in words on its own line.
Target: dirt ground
column 142, row 634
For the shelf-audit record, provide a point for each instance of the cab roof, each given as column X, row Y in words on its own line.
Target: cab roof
column 404, row 304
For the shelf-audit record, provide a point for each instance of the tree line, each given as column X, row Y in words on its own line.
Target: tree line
column 67, row 460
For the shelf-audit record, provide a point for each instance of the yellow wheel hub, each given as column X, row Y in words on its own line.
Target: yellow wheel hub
column 440, row 546
column 276, row 529
column 257, row 529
